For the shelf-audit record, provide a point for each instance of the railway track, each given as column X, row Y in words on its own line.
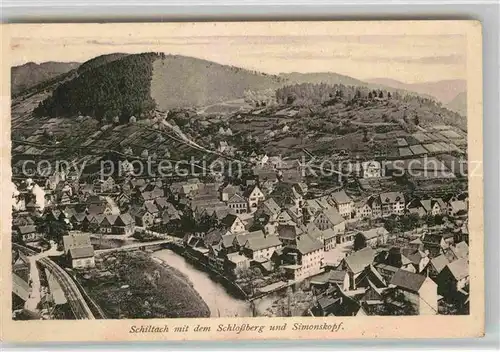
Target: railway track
column 75, row 299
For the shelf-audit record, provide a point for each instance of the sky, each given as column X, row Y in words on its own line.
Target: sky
column 423, row 56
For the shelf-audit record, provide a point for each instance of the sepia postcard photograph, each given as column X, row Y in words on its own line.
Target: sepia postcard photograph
column 242, row 180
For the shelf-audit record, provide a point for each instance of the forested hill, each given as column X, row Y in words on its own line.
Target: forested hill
column 99, row 61
column 120, row 85
column 30, row 74
column 117, row 86
column 115, row 90
column 321, row 77
column 374, row 105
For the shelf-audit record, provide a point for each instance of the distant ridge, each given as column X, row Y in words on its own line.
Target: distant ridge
column 30, row 74
column 445, row 90
column 459, row 104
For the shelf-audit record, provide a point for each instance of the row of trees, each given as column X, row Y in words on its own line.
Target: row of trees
column 307, row 94
column 313, row 94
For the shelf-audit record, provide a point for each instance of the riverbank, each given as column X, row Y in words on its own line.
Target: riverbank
column 221, row 301
column 134, row 285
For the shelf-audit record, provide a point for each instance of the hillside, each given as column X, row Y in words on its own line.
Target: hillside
column 99, row 61
column 459, row 104
column 31, row 74
column 335, row 78
column 118, row 89
column 327, row 120
column 321, row 77
column 180, row 81
column 445, row 90
column 118, row 86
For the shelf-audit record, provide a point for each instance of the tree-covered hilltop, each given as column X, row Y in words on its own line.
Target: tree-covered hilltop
column 121, row 88
column 100, row 61
column 326, row 99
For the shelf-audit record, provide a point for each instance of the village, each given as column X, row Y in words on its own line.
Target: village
column 365, row 246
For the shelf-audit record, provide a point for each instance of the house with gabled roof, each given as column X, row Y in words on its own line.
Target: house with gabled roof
column 142, row 217
column 233, row 224
column 237, row 204
column 284, row 218
column 288, row 234
column 235, row 262
column 29, row 233
column 399, row 257
column 79, row 250
column 363, row 209
column 261, row 247
column 434, row 206
column 436, row 265
column 457, row 209
column 107, row 223
column 415, row 206
column 304, row 259
column 227, row 242
column 420, row 291
column 329, row 218
column 228, row 191
column 271, row 208
column 460, row 250
column 356, row 262
column 328, row 279
column 151, row 207
column 124, row 225
column 392, row 203
column 161, row 203
column 343, row 203
column 254, row 196
column 240, row 239
column 312, row 254
column 375, row 237
column 453, row 278
column 328, row 237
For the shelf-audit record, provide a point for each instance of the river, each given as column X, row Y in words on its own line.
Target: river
column 215, row 295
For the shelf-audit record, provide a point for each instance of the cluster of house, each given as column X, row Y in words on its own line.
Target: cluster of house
column 263, row 222
column 410, row 280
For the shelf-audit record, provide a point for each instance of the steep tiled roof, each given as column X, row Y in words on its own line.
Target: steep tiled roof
column 333, row 215
column 82, row 252
column 375, row 232
column 258, row 243
column 459, row 268
column 227, row 240
column 151, row 207
column 408, row 280
column 306, row 244
column 357, row 261
column 439, row 262
column 287, row 232
column 272, row 206
column 341, row 197
column 73, row 241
